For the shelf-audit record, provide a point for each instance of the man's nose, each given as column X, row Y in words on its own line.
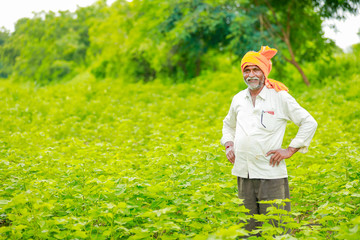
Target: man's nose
column 251, row 74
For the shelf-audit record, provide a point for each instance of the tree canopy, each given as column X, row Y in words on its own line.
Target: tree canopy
column 148, row 39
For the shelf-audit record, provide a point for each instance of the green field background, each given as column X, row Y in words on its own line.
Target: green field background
column 111, row 119
column 112, row 160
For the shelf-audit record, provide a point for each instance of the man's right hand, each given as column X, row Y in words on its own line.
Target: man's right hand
column 230, row 153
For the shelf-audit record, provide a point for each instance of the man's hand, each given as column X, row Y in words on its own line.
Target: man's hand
column 230, row 153
column 281, row 154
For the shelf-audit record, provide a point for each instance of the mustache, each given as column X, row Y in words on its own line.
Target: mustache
column 252, row 78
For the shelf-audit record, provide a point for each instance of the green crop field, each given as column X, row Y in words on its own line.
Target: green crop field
column 92, row 159
column 111, row 118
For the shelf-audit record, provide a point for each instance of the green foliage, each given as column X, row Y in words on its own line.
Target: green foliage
column 144, row 40
column 356, row 49
column 326, row 69
column 113, row 160
column 158, row 39
column 48, row 47
column 336, row 8
column 4, row 37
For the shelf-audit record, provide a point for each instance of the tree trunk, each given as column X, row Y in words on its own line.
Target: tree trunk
column 286, row 39
column 304, row 77
column 197, row 67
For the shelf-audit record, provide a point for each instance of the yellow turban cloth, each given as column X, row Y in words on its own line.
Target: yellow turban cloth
column 262, row 60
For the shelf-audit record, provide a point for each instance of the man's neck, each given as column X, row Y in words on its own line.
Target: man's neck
column 255, row 92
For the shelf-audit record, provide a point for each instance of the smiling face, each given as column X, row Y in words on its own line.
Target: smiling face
column 254, row 77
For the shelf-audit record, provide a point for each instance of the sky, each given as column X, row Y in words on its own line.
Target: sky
column 346, row 34
column 12, row 10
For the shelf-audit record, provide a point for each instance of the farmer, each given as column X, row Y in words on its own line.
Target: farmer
column 253, row 132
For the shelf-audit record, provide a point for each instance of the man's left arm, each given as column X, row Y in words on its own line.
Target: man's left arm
column 307, row 127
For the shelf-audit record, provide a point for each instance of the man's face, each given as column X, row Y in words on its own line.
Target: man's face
column 254, row 77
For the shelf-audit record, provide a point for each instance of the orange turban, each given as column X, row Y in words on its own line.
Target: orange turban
column 262, row 60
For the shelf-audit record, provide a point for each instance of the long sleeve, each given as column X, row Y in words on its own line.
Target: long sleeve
column 303, row 119
column 229, row 125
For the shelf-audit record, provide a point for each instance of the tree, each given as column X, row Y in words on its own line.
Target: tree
column 48, row 47
column 147, row 39
column 4, row 36
column 295, row 26
column 160, row 38
column 173, row 38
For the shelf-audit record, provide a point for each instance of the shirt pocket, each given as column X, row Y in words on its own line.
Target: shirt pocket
column 268, row 120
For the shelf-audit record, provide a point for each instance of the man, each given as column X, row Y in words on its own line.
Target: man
column 253, row 132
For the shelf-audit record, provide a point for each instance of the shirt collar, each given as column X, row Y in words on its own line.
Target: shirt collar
column 262, row 94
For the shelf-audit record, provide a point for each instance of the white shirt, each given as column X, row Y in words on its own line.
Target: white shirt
column 257, row 130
